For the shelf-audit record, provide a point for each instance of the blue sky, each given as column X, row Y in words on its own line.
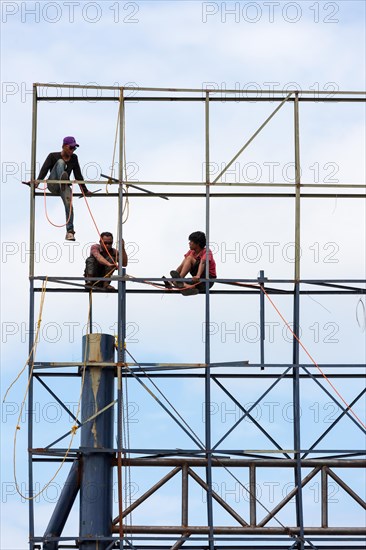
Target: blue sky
column 192, row 44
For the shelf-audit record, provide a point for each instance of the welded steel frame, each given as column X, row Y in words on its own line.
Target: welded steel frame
column 207, row 536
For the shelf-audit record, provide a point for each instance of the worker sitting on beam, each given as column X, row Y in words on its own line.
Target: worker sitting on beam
column 194, row 262
column 60, row 165
column 103, row 261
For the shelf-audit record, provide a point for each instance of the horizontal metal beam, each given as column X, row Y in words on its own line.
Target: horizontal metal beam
column 225, row 530
column 273, row 185
column 136, row 99
column 201, row 90
column 240, row 195
column 237, row 292
column 180, row 457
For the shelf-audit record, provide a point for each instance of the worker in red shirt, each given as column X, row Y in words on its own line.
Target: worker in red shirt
column 194, row 262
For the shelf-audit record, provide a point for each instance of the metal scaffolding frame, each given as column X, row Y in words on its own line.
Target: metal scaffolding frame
column 206, row 456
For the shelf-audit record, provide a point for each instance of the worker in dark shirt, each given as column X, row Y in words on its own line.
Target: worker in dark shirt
column 60, row 165
column 103, row 261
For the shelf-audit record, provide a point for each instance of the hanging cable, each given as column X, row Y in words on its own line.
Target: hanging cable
column 74, row 428
column 313, row 360
column 362, row 316
column 215, row 459
column 46, row 212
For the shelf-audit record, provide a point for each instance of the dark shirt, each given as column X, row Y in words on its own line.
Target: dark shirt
column 97, row 250
column 71, row 166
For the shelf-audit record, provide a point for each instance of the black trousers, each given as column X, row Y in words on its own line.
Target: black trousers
column 201, row 287
column 94, row 269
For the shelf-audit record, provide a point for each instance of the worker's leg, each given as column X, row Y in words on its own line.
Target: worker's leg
column 66, row 196
column 187, row 265
column 201, row 287
column 93, row 269
column 56, row 174
column 63, row 190
column 108, row 272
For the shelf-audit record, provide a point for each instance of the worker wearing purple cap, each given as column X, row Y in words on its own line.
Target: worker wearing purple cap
column 60, row 165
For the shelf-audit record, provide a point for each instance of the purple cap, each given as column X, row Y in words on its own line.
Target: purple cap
column 69, row 140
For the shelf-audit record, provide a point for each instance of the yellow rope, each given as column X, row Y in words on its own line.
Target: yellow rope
column 115, row 146
column 108, row 274
column 74, row 428
column 34, row 346
column 126, row 206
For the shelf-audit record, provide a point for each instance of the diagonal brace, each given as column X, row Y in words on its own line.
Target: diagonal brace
column 253, row 136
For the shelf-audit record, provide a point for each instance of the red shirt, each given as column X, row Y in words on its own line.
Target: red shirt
column 202, row 256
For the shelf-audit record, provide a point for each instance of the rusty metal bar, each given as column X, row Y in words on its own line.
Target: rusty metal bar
column 252, row 496
column 226, row 530
column 245, row 462
column 218, row 499
column 346, row 487
column 324, row 497
column 148, row 493
column 290, row 495
column 180, row 542
column 185, row 494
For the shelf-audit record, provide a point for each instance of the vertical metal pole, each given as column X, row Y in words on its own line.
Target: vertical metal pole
column 298, row 184
column 90, row 312
column 261, row 320
column 96, row 488
column 253, row 493
column 121, row 313
column 207, row 335
column 296, row 377
column 324, row 498
column 31, row 313
column 185, row 495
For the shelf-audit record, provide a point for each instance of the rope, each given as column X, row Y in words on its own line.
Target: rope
column 46, row 212
column 126, row 206
column 126, row 435
column 108, row 274
column 73, row 429
column 289, row 328
column 35, row 343
column 363, row 325
column 115, row 146
column 159, row 286
column 311, row 359
column 217, row 460
column 96, row 227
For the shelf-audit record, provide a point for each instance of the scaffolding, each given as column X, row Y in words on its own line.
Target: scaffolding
column 261, row 527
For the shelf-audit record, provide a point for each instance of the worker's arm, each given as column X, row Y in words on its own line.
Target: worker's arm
column 180, row 267
column 124, row 255
column 201, row 270
column 97, row 255
column 46, row 167
column 79, row 177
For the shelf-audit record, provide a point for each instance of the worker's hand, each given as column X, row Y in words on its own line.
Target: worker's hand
column 195, row 279
column 88, row 193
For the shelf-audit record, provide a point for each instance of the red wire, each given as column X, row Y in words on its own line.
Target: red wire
column 311, row 358
column 304, row 348
column 45, row 207
column 96, row 227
